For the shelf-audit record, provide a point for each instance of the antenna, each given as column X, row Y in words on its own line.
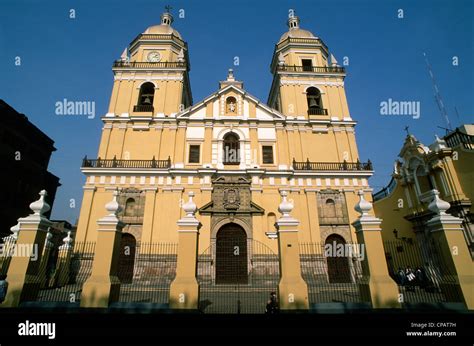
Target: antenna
column 437, row 95
column 457, row 114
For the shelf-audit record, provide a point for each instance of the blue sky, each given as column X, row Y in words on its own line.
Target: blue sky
column 71, row 58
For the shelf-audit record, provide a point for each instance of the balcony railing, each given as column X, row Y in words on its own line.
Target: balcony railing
column 118, row 163
column 459, row 138
column 332, row 166
column 143, row 108
column 301, row 40
column 158, row 37
column 314, row 69
column 148, row 65
column 317, row 111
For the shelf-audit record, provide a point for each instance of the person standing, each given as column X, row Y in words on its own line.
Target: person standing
column 272, row 305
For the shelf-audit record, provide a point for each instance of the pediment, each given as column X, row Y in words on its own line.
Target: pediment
column 232, row 102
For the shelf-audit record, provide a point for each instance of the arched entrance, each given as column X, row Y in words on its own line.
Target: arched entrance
column 338, row 262
column 128, row 246
column 231, row 255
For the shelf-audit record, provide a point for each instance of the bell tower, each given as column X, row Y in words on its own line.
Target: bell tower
column 151, row 78
column 307, row 83
column 308, row 89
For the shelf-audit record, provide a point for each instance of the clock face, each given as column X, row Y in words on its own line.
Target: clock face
column 153, row 56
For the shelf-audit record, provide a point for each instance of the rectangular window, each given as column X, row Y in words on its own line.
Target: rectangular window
column 267, row 154
column 307, row 64
column 194, row 153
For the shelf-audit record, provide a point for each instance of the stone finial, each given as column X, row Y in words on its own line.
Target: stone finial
column 181, row 55
column 15, row 229
column 281, row 59
column 40, row 206
column 437, row 205
column 113, row 207
column 190, row 207
column 363, row 206
column 333, row 61
column 67, row 241
column 124, row 57
column 285, row 206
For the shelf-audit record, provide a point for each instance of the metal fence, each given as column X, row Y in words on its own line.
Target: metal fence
column 331, row 276
column 422, row 275
column 146, row 271
column 237, row 277
column 61, row 278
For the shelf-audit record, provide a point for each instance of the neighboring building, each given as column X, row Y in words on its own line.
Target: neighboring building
column 447, row 165
column 25, row 151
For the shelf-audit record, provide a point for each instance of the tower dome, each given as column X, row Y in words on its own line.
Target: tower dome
column 165, row 27
column 295, row 31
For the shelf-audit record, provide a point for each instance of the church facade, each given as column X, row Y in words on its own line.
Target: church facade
column 217, row 204
column 235, row 152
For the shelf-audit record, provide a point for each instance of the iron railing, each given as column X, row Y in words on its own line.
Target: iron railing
column 301, row 40
column 457, row 137
column 237, row 276
column 146, row 271
column 317, row 111
column 158, row 37
column 148, row 65
column 332, row 276
column 421, row 272
column 61, row 280
column 143, row 108
column 314, row 69
column 332, row 166
column 118, row 163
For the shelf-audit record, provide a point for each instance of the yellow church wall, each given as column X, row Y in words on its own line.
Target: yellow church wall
column 104, row 142
column 87, row 226
column 393, row 216
column 125, row 93
column 114, row 97
column 464, row 166
column 133, row 148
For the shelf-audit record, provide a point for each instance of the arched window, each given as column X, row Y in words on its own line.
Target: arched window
column 315, row 104
column 231, row 148
column 129, row 207
column 424, row 181
column 330, row 208
column 230, row 105
column 147, row 93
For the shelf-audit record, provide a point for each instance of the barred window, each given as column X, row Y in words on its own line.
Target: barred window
column 194, row 153
column 267, row 154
